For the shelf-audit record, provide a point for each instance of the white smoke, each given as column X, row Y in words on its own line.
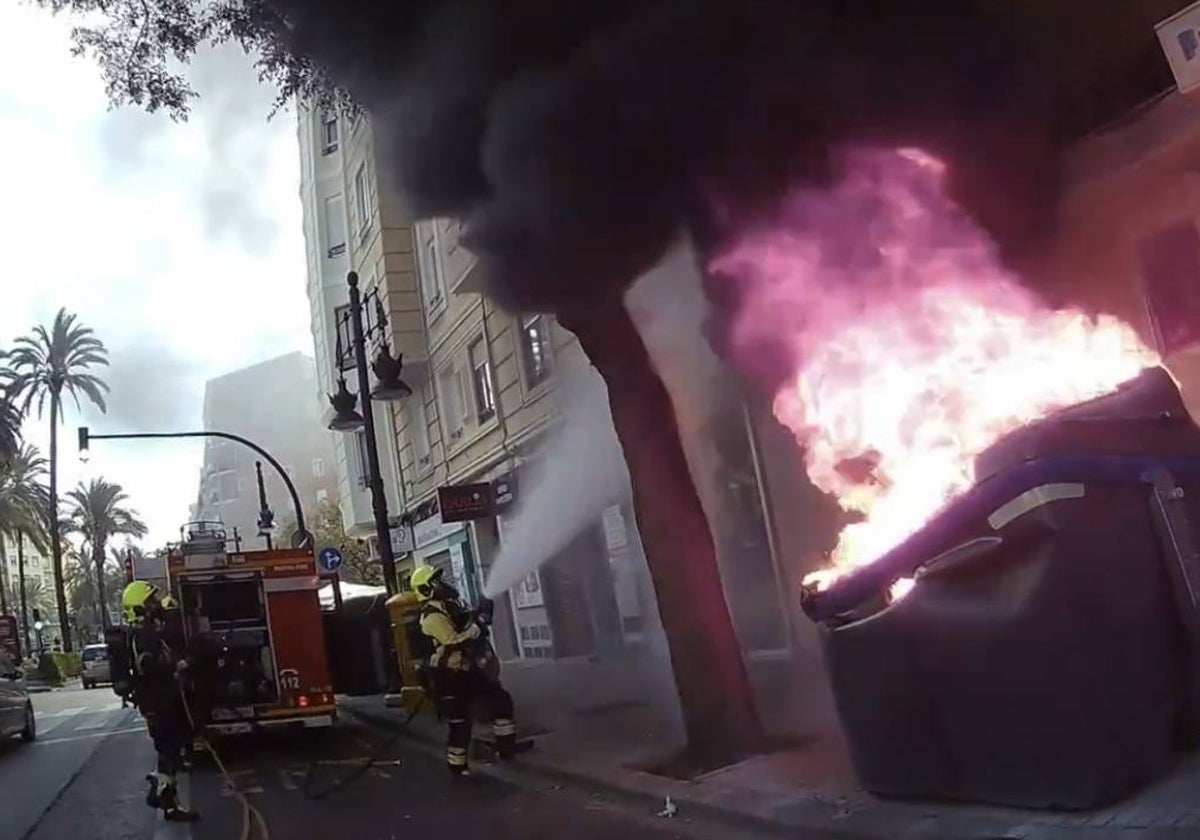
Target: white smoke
column 584, row 472
column 584, row 468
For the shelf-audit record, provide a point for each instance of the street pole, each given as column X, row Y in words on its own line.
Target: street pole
column 374, row 475
column 85, row 436
column 266, row 518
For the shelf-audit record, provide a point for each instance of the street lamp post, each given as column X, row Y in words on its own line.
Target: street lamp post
column 303, row 537
column 266, row 516
column 390, row 388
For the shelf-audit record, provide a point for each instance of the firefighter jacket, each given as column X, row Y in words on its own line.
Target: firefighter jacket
column 153, row 665
column 460, row 643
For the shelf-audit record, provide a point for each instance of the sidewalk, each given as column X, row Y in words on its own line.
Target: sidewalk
column 807, row 789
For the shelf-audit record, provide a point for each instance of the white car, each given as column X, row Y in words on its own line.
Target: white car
column 16, row 709
column 95, row 665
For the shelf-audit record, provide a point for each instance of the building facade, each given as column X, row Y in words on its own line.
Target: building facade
column 39, row 582
column 342, row 226
column 272, row 404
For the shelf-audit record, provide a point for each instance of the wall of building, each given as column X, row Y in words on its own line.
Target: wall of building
column 346, row 230
column 272, row 404
column 1126, row 189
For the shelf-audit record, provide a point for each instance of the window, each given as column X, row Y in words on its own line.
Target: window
column 481, row 379
column 341, row 321
column 432, row 283
column 322, row 496
column 360, row 440
column 454, row 403
column 360, row 197
column 535, row 349
column 329, row 135
column 418, row 424
column 318, row 467
column 335, row 225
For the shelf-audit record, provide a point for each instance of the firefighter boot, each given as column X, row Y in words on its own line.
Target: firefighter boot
column 152, row 793
column 168, row 799
column 506, row 738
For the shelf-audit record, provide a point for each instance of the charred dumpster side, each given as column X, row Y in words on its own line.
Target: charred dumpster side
column 1042, row 657
column 359, row 641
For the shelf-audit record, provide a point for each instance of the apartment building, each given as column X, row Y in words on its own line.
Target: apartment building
column 39, row 578
column 342, row 225
column 484, row 399
column 272, row 404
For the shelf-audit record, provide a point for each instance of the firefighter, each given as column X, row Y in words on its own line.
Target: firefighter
column 175, row 638
column 155, row 669
column 464, row 668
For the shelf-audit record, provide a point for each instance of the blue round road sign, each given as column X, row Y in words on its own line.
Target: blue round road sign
column 330, row 559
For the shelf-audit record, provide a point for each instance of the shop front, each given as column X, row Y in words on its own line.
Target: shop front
column 447, row 546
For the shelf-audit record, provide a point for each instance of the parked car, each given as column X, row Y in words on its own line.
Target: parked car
column 16, row 709
column 95, row 665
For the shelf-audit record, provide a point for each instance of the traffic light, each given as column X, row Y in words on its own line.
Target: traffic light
column 37, row 615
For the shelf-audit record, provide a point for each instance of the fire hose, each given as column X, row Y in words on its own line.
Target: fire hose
column 362, row 769
column 251, row 816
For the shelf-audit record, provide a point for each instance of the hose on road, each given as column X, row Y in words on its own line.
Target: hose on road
column 362, row 769
column 251, row 817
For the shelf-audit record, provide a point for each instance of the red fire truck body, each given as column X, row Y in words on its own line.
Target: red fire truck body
column 252, row 621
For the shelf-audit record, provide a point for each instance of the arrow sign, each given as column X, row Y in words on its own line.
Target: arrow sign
column 330, row 560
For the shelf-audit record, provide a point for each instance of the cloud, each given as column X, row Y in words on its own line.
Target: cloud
column 180, row 244
column 153, row 389
column 235, row 126
column 127, row 137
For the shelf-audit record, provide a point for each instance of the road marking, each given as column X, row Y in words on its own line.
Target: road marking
column 71, row 712
column 45, row 742
column 95, row 724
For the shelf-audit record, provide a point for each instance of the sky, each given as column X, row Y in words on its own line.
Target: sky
column 180, row 244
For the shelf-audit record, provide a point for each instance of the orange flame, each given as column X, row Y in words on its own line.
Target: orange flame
column 910, row 349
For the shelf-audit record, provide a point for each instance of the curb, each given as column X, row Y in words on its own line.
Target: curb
column 530, row 769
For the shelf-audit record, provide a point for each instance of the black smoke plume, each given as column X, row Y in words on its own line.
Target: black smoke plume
column 577, row 138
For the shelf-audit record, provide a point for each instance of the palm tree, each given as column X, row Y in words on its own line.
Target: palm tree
column 10, row 417
column 44, row 366
column 98, row 512
column 84, row 597
column 22, row 501
column 10, row 428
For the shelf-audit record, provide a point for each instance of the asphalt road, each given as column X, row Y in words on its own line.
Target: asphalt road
column 406, row 793
column 89, row 759
column 83, row 778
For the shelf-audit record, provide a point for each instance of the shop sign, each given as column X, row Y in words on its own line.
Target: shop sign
column 504, row 492
column 402, row 539
column 528, row 593
column 616, row 533
column 433, row 529
column 465, row 502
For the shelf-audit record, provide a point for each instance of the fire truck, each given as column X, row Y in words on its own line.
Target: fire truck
column 253, row 626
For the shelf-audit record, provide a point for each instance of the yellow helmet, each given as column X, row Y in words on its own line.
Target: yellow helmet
column 135, row 598
column 425, row 580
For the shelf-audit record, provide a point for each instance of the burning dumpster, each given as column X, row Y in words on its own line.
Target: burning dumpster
column 1043, row 651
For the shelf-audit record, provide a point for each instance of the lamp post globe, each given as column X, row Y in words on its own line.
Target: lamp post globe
column 346, row 417
column 390, row 387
